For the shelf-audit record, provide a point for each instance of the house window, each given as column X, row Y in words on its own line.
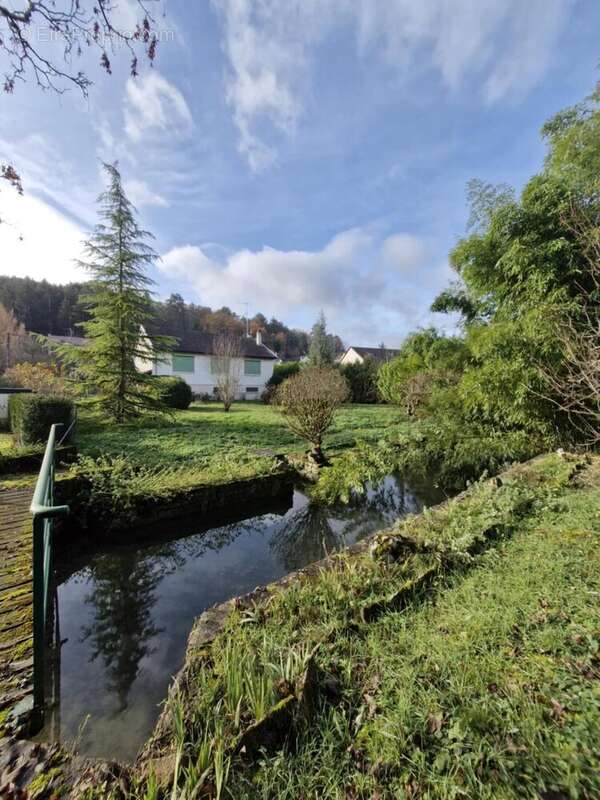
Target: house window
column 251, row 389
column 252, row 366
column 183, row 363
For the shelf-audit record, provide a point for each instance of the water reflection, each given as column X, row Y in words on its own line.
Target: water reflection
column 125, row 614
column 121, row 597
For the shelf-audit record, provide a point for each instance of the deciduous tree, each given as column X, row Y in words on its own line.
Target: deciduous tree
column 227, row 366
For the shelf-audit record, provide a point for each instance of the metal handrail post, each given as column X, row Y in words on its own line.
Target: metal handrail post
column 44, row 512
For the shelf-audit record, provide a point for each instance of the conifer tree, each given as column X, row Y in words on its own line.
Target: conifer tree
column 118, row 304
column 321, row 351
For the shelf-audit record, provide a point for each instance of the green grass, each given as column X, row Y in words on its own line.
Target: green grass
column 6, row 443
column 206, row 437
column 485, row 684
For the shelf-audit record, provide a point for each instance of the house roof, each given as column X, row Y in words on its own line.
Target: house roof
column 198, row 343
column 379, row 354
column 76, row 340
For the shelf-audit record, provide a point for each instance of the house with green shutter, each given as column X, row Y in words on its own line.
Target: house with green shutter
column 194, row 359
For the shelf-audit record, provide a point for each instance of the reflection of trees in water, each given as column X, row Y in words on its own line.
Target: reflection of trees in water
column 122, row 597
column 123, row 583
column 305, row 536
column 310, row 533
column 217, row 538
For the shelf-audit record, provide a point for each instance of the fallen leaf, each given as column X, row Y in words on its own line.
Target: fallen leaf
column 434, row 722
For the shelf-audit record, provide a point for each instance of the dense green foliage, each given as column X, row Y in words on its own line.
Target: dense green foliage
column 432, row 450
column 118, row 304
column 526, row 266
column 175, row 392
column 427, row 361
column 32, row 415
column 43, row 307
column 362, row 380
column 283, row 371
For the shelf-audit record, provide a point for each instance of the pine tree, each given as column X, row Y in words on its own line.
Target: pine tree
column 118, row 303
column 321, row 350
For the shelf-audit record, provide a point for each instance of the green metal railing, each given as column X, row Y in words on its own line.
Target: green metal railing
column 44, row 513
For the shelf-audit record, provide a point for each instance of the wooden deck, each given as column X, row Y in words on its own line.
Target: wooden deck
column 16, row 618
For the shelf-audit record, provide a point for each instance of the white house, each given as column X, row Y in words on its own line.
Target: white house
column 357, row 355
column 193, row 359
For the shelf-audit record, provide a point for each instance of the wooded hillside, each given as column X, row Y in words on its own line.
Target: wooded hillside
column 46, row 308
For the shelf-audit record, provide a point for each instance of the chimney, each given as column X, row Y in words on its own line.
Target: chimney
column 259, row 337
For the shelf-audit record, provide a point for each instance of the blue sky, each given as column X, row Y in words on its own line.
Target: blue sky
column 300, row 154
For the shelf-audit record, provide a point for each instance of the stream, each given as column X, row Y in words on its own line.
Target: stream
column 123, row 614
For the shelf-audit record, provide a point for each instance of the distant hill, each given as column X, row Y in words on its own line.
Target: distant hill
column 45, row 308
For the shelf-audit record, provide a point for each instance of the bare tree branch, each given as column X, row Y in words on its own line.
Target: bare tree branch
column 79, row 24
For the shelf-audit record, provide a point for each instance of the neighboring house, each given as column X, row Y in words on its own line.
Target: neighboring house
column 193, row 359
column 78, row 341
column 357, row 355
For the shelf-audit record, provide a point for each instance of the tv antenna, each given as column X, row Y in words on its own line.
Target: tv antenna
column 247, row 321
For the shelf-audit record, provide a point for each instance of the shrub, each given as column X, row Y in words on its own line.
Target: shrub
column 32, row 415
column 283, row 371
column 362, row 380
column 41, row 378
column 269, row 394
column 175, row 392
column 309, row 401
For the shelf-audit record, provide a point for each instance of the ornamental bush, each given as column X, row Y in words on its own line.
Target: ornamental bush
column 309, row 401
column 32, row 415
column 175, row 392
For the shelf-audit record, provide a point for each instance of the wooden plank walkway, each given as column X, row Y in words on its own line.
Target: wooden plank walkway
column 16, row 598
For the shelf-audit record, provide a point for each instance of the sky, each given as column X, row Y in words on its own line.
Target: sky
column 298, row 155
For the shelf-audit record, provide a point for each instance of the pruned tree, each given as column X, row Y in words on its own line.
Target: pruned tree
column 309, row 401
column 226, row 366
column 573, row 382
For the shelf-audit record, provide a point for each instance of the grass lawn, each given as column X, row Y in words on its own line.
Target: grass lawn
column 484, row 685
column 6, row 443
column 206, row 437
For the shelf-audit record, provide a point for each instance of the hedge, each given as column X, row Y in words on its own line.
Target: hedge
column 283, row 371
column 175, row 392
column 32, row 415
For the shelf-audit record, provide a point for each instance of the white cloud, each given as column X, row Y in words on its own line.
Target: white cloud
column 280, row 281
column 502, row 45
column 266, row 46
column 404, row 252
column 152, row 105
column 366, row 297
column 141, row 194
column 36, row 241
